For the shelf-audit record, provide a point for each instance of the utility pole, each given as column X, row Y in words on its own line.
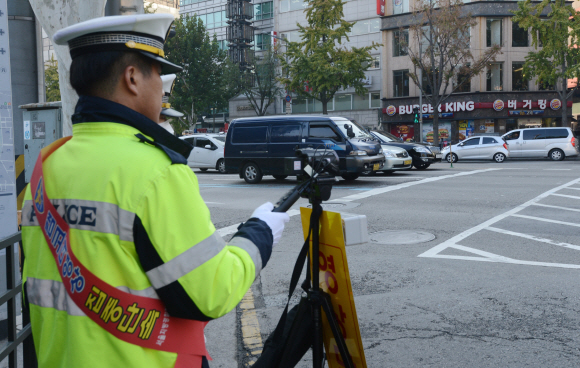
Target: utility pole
column 421, row 100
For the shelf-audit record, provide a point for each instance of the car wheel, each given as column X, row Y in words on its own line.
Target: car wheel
column 221, row 166
column 556, row 155
column 203, row 169
column 451, row 158
column 368, row 172
column 280, row 177
column 252, row 173
column 499, row 157
column 389, row 172
column 349, row 176
column 421, row 166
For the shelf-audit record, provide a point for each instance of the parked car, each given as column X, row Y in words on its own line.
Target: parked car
column 207, row 152
column 422, row 154
column 266, row 145
column 396, row 158
column 476, row 148
column 555, row 143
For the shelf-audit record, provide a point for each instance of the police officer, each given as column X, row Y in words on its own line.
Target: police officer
column 137, row 220
column 167, row 112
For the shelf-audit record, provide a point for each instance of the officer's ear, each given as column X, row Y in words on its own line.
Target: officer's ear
column 131, row 78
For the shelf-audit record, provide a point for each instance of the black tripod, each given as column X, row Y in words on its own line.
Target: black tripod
column 319, row 298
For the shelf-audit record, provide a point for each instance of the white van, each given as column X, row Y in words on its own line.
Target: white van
column 555, row 143
column 207, row 152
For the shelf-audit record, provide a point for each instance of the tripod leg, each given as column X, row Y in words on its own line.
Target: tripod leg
column 336, row 332
column 317, row 347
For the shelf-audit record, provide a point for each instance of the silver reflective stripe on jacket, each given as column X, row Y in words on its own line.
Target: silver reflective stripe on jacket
column 186, row 262
column 52, row 294
column 102, row 217
column 252, row 250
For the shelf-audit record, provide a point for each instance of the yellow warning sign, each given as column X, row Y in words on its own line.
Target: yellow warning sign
column 335, row 280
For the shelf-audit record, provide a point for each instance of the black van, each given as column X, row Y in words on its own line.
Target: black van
column 266, row 145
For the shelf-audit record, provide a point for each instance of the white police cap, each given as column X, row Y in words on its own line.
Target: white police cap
column 168, row 83
column 144, row 33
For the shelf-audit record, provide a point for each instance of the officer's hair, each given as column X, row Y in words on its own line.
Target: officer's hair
column 97, row 74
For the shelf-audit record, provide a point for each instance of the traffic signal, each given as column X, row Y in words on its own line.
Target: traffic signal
column 416, row 112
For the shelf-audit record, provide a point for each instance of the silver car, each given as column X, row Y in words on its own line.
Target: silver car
column 475, row 148
column 555, row 143
column 396, row 158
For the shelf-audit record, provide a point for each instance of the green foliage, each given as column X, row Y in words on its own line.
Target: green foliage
column 263, row 92
column 149, row 8
column 557, row 58
column 318, row 61
column 51, row 80
column 205, row 81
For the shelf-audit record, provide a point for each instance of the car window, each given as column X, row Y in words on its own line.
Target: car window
column 383, row 137
column 257, row 134
column 556, row 133
column 220, row 138
column 534, row 134
column 512, row 136
column 488, row 140
column 189, row 140
column 471, row 142
column 202, row 142
column 359, row 132
column 323, row 132
column 285, row 133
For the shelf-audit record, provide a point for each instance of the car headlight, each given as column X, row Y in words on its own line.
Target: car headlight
column 380, row 151
column 421, row 149
column 358, row 153
column 388, row 153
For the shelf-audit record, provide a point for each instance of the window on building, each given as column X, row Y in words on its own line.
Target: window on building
column 545, row 86
column 520, row 36
column 494, row 32
column 400, row 42
column 361, row 102
column 365, row 26
column 375, row 99
column 262, row 41
column 343, row 101
column 291, row 5
column 465, row 37
column 264, row 10
column 494, row 77
column 425, row 81
column 223, row 44
column 464, row 79
column 400, row 6
column 213, row 20
column 519, row 81
column 375, row 62
column 299, row 105
column 400, row 83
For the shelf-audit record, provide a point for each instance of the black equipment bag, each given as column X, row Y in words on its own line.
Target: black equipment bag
column 294, row 333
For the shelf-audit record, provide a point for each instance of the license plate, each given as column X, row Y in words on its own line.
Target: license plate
column 408, row 162
column 376, row 167
column 438, row 155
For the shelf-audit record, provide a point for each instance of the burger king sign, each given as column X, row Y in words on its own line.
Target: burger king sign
column 498, row 105
column 391, row 110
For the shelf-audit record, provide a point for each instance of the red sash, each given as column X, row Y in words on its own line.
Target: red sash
column 134, row 319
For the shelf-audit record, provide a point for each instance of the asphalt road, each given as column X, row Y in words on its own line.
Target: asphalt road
column 497, row 287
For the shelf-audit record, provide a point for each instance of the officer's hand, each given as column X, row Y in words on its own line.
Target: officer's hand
column 275, row 220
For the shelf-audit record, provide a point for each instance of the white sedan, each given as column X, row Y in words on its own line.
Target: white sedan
column 477, row 148
column 207, row 152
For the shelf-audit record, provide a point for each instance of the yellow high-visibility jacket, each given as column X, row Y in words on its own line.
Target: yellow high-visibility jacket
column 138, row 222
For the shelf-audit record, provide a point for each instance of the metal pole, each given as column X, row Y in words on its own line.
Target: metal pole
column 421, row 99
column 213, row 127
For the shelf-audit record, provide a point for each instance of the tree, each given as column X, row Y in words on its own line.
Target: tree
column 318, row 66
column 205, row 81
column 440, row 51
column 557, row 37
column 263, row 92
column 51, row 80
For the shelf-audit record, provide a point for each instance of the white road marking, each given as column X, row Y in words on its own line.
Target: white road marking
column 547, row 220
column 233, row 228
column 557, row 169
column 566, row 196
column 383, row 190
column 556, row 207
column 573, row 188
column 214, row 203
column 490, row 257
column 535, row 238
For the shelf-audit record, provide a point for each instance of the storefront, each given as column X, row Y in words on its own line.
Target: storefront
column 464, row 115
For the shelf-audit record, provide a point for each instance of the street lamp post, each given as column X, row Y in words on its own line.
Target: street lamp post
column 213, row 111
column 283, row 39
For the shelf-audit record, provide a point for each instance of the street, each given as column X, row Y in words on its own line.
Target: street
column 496, row 287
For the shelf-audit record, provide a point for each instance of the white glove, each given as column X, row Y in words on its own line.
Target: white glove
column 275, row 220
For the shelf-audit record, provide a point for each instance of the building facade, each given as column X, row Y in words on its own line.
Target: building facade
column 498, row 100
column 274, row 22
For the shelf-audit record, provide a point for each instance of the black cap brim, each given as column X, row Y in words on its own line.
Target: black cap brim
column 171, row 113
column 166, row 66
